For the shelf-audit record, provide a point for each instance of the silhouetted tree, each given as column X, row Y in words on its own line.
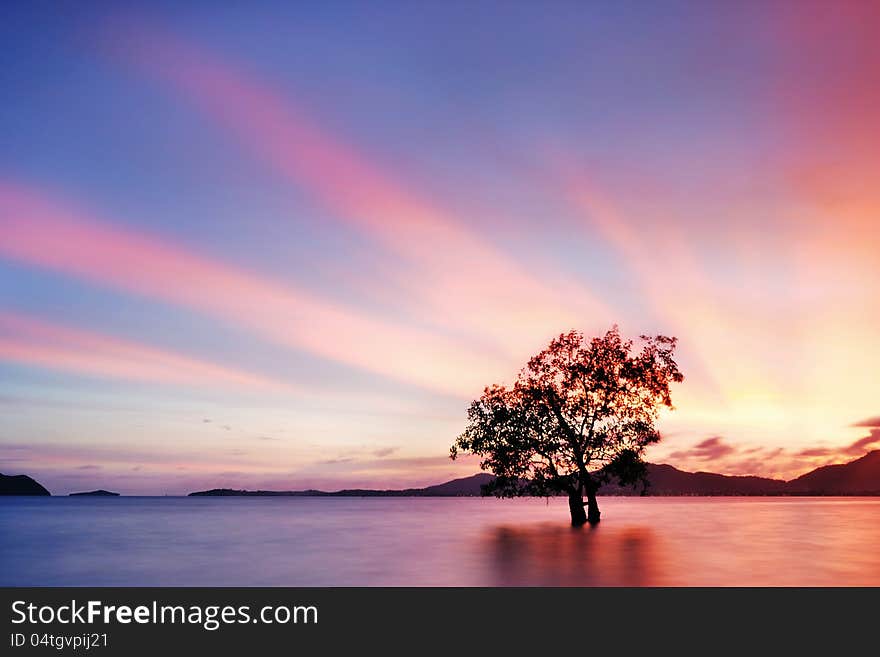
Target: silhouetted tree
column 580, row 413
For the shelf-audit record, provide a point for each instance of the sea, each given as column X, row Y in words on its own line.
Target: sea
column 384, row 541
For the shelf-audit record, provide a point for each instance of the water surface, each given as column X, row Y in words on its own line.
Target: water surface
column 141, row 541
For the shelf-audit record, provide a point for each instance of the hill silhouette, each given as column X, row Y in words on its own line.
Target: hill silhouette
column 859, row 477
column 20, row 485
column 667, row 480
column 95, row 493
column 466, row 486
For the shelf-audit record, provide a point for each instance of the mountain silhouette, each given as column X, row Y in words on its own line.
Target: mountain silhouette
column 667, row 480
column 466, row 486
column 859, row 477
column 20, row 485
column 97, row 493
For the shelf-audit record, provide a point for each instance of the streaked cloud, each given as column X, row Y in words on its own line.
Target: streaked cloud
column 709, row 449
column 35, row 342
column 862, row 445
column 456, row 278
column 726, row 457
column 38, row 231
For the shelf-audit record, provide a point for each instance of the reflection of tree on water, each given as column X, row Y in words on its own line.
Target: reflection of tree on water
column 548, row 555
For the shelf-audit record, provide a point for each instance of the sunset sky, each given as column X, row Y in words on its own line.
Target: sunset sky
column 285, row 247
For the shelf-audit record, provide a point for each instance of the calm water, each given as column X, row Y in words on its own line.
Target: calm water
column 461, row 541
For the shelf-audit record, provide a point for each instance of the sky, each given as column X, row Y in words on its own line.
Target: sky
column 283, row 246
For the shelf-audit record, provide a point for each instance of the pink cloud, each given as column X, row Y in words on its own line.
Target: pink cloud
column 38, row 231
column 719, row 455
column 865, row 444
column 664, row 258
column 34, row 342
column 816, row 451
column 453, row 277
column 709, row 449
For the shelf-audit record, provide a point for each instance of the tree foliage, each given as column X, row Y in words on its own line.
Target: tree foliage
column 580, row 413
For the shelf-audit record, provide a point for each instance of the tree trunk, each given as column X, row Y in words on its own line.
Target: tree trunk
column 592, row 506
column 576, row 506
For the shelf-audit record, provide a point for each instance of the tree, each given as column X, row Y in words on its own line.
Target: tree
column 581, row 413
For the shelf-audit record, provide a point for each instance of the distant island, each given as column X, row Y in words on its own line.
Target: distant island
column 97, row 493
column 464, row 487
column 859, row 477
column 20, row 485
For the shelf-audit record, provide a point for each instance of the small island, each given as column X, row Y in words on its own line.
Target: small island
column 464, row 487
column 97, row 493
column 20, row 485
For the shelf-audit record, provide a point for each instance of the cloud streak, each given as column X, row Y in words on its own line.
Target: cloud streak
column 39, row 231
column 864, row 444
column 454, row 277
column 724, row 457
column 34, row 342
column 709, row 449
